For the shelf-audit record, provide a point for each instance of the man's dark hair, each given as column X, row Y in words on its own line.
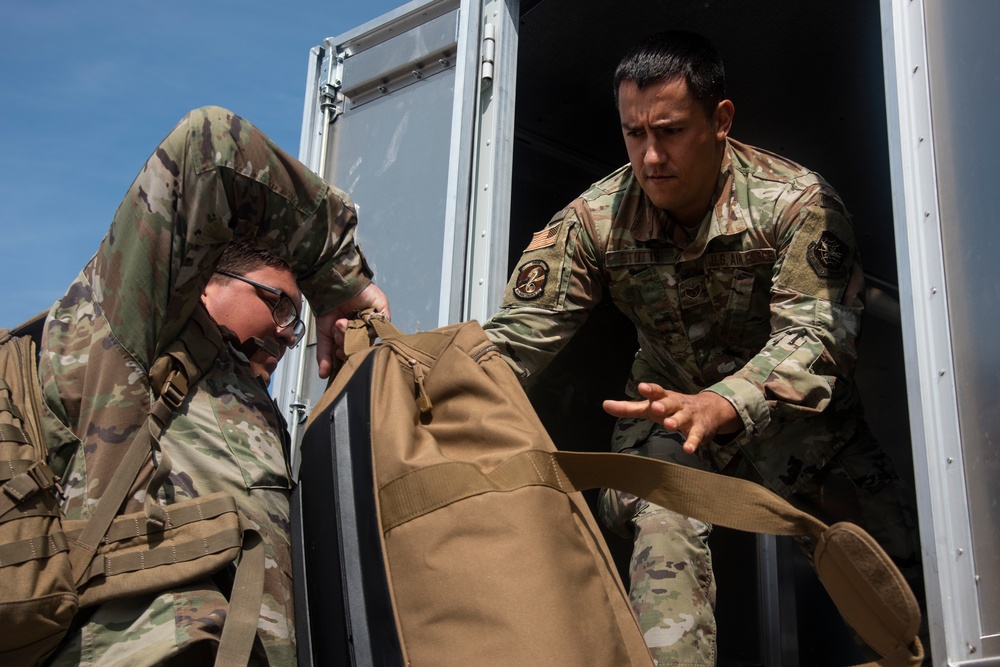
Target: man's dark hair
column 671, row 54
column 242, row 256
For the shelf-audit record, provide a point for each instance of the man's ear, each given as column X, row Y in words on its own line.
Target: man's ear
column 723, row 119
column 208, row 295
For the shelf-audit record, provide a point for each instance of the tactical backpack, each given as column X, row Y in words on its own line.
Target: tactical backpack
column 50, row 567
column 463, row 536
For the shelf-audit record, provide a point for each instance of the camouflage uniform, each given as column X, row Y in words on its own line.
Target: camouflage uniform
column 760, row 306
column 215, row 175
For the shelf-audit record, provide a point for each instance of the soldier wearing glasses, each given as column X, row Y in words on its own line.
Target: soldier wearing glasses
column 218, row 220
column 232, row 304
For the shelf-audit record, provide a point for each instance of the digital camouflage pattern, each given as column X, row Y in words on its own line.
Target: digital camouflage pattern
column 214, row 176
column 760, row 305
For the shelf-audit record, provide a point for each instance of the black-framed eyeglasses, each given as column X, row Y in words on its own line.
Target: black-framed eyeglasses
column 283, row 311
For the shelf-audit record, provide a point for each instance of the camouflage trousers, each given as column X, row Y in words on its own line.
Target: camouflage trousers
column 672, row 585
column 181, row 626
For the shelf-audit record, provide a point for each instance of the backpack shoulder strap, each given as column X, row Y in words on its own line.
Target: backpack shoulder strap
column 172, row 376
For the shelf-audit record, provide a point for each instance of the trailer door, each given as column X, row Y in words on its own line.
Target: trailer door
column 410, row 114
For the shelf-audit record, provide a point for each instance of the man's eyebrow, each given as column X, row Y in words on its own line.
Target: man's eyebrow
column 669, row 120
column 660, row 122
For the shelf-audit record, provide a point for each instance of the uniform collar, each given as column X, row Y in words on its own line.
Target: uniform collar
column 730, row 213
column 724, row 218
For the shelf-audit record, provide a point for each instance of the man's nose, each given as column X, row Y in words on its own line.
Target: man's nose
column 286, row 336
column 654, row 154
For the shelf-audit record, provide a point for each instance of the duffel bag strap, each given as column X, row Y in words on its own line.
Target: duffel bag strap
column 867, row 587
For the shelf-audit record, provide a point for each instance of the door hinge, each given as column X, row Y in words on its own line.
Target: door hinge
column 489, row 52
column 330, row 98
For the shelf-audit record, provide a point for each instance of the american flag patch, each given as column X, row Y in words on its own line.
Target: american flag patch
column 543, row 239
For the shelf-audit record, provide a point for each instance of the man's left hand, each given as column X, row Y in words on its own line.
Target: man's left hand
column 699, row 417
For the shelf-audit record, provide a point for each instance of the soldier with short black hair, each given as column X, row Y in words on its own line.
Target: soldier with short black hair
column 740, row 272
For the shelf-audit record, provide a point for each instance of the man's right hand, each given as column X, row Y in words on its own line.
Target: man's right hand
column 699, row 417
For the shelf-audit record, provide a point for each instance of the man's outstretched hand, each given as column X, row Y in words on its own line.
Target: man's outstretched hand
column 699, row 417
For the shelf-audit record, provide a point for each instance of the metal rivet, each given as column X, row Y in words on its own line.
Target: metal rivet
column 934, row 290
column 941, row 372
column 950, row 460
column 383, row 89
column 915, row 68
column 960, row 551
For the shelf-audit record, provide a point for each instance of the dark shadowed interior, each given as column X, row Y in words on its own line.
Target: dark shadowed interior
column 807, row 83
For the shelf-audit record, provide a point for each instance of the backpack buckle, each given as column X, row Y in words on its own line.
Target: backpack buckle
column 23, row 486
column 175, row 389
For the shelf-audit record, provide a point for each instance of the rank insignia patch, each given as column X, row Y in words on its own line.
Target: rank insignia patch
column 531, row 279
column 828, row 256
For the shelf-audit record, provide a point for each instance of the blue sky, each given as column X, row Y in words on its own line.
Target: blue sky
column 87, row 90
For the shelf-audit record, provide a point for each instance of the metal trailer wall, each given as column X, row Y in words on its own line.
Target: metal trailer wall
column 943, row 67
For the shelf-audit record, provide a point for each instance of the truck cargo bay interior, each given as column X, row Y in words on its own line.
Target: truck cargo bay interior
column 807, row 83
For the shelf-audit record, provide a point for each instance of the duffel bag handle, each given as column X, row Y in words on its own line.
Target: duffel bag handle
column 365, row 328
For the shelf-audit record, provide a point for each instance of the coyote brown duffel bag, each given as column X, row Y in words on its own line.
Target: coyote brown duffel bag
column 457, row 534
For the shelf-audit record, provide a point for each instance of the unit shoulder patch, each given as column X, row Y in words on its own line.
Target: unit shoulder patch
column 820, row 256
column 828, row 255
column 531, row 279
